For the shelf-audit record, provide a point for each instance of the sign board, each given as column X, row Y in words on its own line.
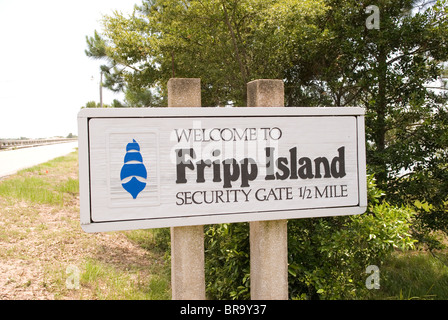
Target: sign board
column 160, row 167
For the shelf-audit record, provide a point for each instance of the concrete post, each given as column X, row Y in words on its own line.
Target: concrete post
column 187, row 243
column 268, row 239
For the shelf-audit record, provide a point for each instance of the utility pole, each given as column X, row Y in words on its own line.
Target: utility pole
column 101, row 88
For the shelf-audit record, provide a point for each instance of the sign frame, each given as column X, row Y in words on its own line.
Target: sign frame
column 86, row 115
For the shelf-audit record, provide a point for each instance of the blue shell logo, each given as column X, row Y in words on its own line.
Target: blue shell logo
column 133, row 167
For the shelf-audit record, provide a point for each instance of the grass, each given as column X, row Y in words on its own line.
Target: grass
column 98, row 276
column 43, row 184
column 42, row 242
column 414, row 275
column 33, row 189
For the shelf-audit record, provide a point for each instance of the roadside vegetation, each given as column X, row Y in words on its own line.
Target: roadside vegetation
column 45, row 254
column 388, row 57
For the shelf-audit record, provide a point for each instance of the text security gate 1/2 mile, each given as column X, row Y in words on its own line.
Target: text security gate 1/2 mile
column 160, row 167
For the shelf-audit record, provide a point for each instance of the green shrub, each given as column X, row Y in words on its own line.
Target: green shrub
column 227, row 261
column 327, row 256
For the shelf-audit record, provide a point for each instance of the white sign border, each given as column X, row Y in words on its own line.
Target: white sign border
column 84, row 170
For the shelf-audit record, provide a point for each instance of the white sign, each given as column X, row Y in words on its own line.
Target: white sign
column 160, row 167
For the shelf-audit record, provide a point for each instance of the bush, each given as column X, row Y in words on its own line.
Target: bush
column 227, row 264
column 327, row 256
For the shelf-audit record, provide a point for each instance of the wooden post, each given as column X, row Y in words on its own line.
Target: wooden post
column 187, row 243
column 268, row 239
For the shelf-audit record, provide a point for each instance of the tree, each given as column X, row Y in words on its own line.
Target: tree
column 327, row 56
column 143, row 98
column 96, row 46
column 92, row 104
column 327, row 257
column 225, row 43
column 388, row 71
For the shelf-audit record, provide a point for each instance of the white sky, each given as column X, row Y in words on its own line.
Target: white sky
column 45, row 76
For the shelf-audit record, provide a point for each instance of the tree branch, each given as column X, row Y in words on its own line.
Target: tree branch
column 235, row 44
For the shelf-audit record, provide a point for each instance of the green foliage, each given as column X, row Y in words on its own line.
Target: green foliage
column 413, row 276
column 92, row 104
column 139, row 98
column 33, row 189
column 225, row 43
column 96, row 46
column 115, row 104
column 227, row 264
column 128, row 286
column 387, row 71
column 330, row 255
column 326, row 56
column 327, row 256
column 38, row 185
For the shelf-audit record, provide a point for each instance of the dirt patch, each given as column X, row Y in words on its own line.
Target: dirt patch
column 21, row 279
column 42, row 244
column 39, row 242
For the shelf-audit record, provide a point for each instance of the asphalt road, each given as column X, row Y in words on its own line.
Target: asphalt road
column 15, row 160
